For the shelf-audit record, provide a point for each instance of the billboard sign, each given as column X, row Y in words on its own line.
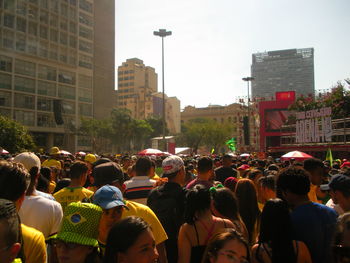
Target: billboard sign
column 314, row 126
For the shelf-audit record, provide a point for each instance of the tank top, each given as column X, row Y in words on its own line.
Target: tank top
column 198, row 251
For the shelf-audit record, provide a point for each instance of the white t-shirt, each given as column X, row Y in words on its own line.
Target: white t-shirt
column 336, row 207
column 42, row 214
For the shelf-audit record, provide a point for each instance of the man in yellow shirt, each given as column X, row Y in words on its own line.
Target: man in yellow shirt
column 75, row 191
column 14, row 181
column 53, row 160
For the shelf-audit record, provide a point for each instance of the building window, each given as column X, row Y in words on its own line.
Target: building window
column 5, row 63
column 21, row 24
column 84, row 95
column 46, row 72
column 54, row 21
column 85, row 46
column 72, row 13
column 21, row 8
column 85, row 61
column 53, row 52
column 66, row 77
column 8, row 39
column 32, row 46
column 64, row 25
column 85, row 5
column 63, row 55
column 44, row 17
column 24, row 101
column 24, row 117
column 63, row 38
column 54, row 35
column 24, row 84
column 44, row 4
column 44, row 104
column 85, row 32
column 24, row 68
column 64, row 10
column 32, row 12
column 9, row 20
column 85, row 82
column 20, row 42
column 46, row 88
column 66, row 92
column 43, row 49
column 86, row 19
column 9, row 5
column 58, row 139
column 85, row 109
column 72, row 41
column 72, row 27
column 45, row 120
column 5, row 81
column 44, row 32
column 54, row 6
column 72, row 58
column 68, row 107
column 33, row 28
column 5, row 99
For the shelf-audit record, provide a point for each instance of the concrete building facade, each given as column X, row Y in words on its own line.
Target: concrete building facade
column 138, row 92
column 283, row 70
column 136, row 84
column 232, row 114
column 56, row 66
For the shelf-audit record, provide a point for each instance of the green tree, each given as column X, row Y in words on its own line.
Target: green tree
column 217, row 134
column 100, row 132
column 14, row 137
column 121, row 124
column 193, row 133
column 338, row 99
column 157, row 126
column 141, row 133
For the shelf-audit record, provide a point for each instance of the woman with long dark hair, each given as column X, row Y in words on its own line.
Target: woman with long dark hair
column 275, row 243
column 248, row 207
column 200, row 225
column 131, row 241
column 225, row 205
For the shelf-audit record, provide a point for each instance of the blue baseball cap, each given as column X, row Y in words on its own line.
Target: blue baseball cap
column 108, row 197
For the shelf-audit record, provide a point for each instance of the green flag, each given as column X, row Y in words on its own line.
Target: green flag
column 329, row 156
column 212, row 150
column 231, row 144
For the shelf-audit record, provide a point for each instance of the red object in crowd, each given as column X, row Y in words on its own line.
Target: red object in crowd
column 298, row 156
column 151, row 151
column 345, row 164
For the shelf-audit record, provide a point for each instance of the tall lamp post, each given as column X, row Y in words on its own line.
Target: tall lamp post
column 247, row 133
column 163, row 33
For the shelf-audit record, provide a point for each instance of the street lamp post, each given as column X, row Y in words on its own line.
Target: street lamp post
column 247, row 79
column 163, row 33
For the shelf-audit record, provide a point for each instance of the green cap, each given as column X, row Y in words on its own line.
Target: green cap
column 80, row 224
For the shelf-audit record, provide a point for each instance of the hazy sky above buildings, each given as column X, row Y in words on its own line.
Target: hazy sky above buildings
column 212, row 43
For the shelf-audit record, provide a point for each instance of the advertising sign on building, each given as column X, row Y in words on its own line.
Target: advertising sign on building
column 314, row 126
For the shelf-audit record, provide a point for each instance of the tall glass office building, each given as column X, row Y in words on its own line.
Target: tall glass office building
column 283, row 70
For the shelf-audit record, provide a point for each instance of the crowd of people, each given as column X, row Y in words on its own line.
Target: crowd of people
column 128, row 209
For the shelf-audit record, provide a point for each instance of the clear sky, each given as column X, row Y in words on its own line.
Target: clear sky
column 212, row 41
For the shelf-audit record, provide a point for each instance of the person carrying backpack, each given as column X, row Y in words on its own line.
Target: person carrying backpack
column 167, row 202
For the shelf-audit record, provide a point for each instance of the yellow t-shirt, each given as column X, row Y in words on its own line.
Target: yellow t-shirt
column 33, row 245
column 68, row 195
column 52, row 162
column 146, row 213
column 52, row 187
column 312, row 194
